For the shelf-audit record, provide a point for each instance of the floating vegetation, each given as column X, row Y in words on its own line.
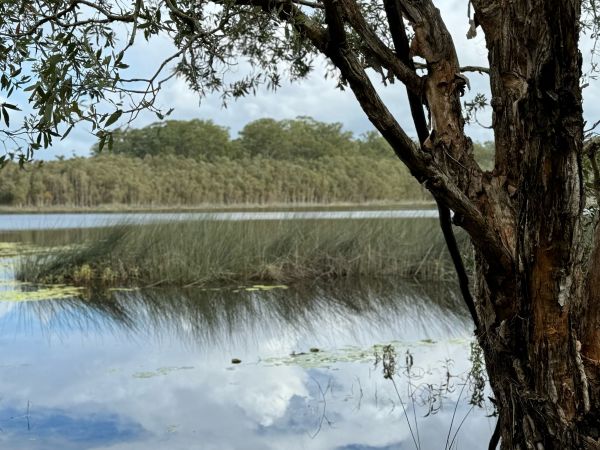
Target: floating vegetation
column 319, row 358
column 161, row 371
column 13, row 283
column 263, row 287
column 323, row 359
column 42, row 293
column 13, row 249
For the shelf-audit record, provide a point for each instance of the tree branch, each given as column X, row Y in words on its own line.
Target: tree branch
column 400, row 39
column 419, row 163
column 463, row 69
column 382, row 53
column 396, row 25
column 316, row 5
column 591, row 149
column 444, row 88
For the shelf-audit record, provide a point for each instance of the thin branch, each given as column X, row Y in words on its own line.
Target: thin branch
column 495, row 439
column 479, row 69
column 396, row 24
column 382, row 52
column 34, row 28
column 309, row 4
column 592, row 128
column 591, row 149
column 463, row 278
column 136, row 13
column 400, row 39
column 109, row 17
column 106, row 12
column 183, row 17
column 290, row 13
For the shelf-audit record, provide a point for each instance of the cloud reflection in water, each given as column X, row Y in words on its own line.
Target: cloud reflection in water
column 139, row 370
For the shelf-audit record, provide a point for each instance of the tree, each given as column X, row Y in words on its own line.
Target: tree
column 537, row 290
column 303, row 138
column 197, row 139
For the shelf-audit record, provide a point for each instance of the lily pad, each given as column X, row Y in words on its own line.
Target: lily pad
column 323, row 359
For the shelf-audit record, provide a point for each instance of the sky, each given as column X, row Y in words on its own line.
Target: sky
column 314, row 96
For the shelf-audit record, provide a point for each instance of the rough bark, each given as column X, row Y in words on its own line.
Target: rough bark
column 541, row 348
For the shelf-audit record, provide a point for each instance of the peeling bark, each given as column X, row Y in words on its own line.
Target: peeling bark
column 541, row 373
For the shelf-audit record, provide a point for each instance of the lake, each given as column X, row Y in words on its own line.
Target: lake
column 153, row 368
column 16, row 222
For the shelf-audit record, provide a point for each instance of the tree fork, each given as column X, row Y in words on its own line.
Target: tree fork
column 400, row 39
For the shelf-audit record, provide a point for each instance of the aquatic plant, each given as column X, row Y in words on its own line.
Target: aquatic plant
column 204, row 253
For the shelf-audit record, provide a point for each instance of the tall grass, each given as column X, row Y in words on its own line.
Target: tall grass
column 210, row 252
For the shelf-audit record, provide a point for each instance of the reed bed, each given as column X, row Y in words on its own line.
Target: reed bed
column 205, row 253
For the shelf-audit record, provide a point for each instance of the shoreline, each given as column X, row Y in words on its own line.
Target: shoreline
column 108, row 209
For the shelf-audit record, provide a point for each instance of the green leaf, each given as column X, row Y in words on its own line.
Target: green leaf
column 5, row 115
column 113, row 117
column 101, row 143
column 48, row 113
column 54, row 60
column 67, row 132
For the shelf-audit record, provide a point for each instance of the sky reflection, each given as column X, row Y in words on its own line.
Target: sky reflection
column 137, row 370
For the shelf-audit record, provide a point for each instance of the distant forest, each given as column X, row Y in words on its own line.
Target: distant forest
column 188, row 163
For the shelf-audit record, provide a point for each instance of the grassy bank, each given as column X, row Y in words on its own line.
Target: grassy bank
column 210, row 207
column 206, row 253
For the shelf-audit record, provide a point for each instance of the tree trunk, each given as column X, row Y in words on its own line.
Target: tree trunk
column 536, row 311
column 539, row 325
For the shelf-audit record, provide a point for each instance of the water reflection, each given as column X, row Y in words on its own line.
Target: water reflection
column 152, row 369
column 335, row 313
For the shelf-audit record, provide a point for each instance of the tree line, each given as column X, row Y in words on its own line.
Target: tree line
column 196, row 162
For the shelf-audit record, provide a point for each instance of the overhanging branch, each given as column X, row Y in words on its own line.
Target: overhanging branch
column 382, row 52
column 396, row 24
column 419, row 163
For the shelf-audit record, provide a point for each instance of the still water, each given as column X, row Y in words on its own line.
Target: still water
column 152, row 369
column 90, row 220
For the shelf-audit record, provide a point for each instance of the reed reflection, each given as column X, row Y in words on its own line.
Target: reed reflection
column 207, row 317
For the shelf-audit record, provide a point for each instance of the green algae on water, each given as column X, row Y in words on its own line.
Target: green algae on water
column 351, row 354
column 13, row 249
column 55, row 292
column 161, row 371
column 265, row 287
column 323, row 359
